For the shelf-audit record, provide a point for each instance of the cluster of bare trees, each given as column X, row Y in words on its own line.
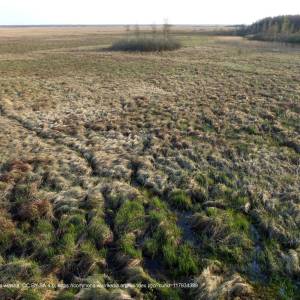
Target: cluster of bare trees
column 164, row 30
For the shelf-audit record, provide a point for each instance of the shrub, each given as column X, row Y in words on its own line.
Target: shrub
column 146, row 44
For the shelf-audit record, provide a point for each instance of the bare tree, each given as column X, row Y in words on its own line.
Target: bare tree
column 166, row 29
column 127, row 28
column 154, row 30
column 137, row 30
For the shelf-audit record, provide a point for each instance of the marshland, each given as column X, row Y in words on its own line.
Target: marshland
column 149, row 168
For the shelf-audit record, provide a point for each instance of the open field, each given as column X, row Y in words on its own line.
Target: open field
column 148, row 168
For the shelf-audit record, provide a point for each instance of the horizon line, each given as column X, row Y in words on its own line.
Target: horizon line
column 106, row 25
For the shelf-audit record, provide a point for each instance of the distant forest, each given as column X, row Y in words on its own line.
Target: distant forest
column 281, row 28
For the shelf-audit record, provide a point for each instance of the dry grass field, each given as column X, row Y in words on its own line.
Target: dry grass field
column 172, row 167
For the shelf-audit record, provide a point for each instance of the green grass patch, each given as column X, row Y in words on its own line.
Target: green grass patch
column 98, row 231
column 225, row 235
column 179, row 199
column 128, row 246
column 130, row 216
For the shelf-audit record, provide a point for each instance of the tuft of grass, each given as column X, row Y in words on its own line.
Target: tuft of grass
column 224, row 233
column 179, row 199
column 31, row 295
column 146, row 44
column 127, row 245
column 170, row 293
column 7, row 231
column 164, row 242
column 180, row 259
column 129, row 217
column 99, row 231
column 65, row 295
column 187, row 263
column 20, row 269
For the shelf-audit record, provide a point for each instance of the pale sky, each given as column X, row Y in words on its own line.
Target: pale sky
column 35, row 12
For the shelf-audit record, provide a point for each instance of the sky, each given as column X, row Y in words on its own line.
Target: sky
column 44, row 12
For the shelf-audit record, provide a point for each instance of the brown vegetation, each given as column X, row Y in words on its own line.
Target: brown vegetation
column 148, row 167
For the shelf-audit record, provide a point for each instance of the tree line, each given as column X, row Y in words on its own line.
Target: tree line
column 281, row 28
